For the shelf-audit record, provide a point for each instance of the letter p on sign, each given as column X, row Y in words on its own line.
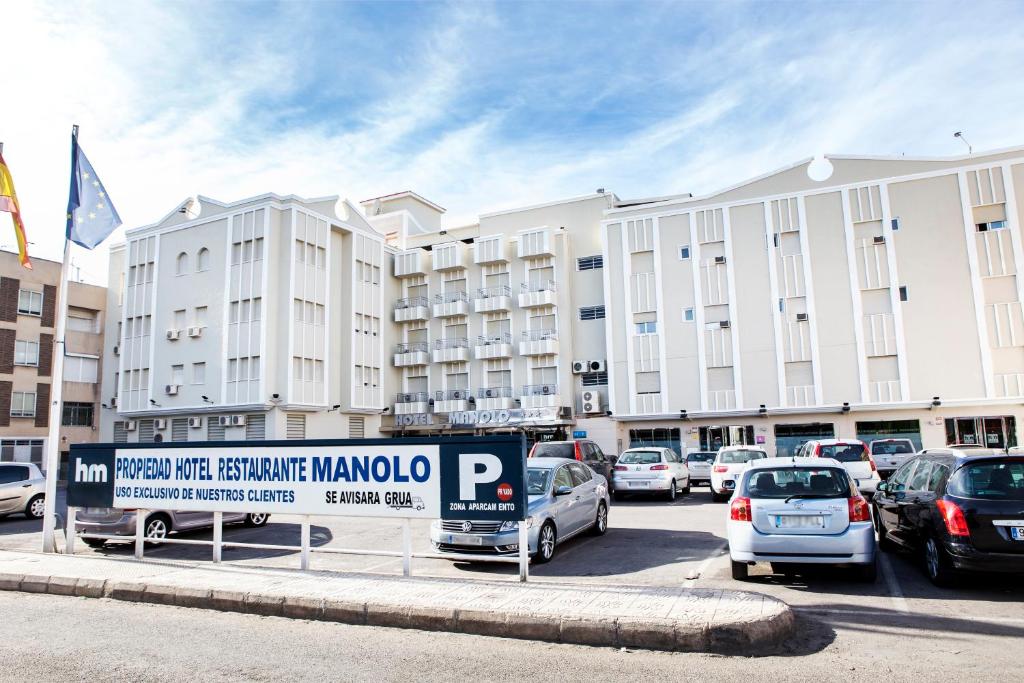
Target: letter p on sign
column 471, row 474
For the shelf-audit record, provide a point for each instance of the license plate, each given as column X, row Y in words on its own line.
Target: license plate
column 465, row 539
column 799, row 521
column 1017, row 533
column 639, row 484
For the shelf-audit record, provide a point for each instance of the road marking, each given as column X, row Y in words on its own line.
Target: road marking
column 703, row 566
column 895, row 592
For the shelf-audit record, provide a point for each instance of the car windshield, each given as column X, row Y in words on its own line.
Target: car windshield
column 556, row 449
column 740, row 456
column 640, row 458
column 989, row 480
column 891, row 448
column 700, row 456
column 804, row 482
column 537, row 481
column 844, row 452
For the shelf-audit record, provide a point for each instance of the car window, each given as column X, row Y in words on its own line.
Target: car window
column 739, row 456
column 845, row 452
column 640, row 458
column 563, row 477
column 783, row 482
column 919, row 482
column 537, row 481
column 598, row 453
column 891, row 448
column 581, row 474
column 939, row 472
column 13, row 473
column 898, row 481
column 555, row 449
column 989, row 480
column 700, row 456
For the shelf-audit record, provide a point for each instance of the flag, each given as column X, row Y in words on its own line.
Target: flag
column 91, row 215
column 9, row 203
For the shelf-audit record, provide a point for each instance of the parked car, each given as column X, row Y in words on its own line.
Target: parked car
column 962, row 510
column 583, row 450
column 800, row 510
column 566, row 498
column 650, row 470
column 730, row 463
column 117, row 522
column 889, row 454
column 21, row 489
column 699, row 464
column 855, row 458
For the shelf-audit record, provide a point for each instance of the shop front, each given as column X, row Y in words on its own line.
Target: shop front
column 538, row 424
column 990, row 432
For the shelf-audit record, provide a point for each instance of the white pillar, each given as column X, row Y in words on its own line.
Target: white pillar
column 140, row 532
column 56, row 392
column 524, row 552
column 218, row 535
column 304, row 553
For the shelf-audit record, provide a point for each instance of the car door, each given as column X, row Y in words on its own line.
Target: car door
column 887, row 504
column 562, row 507
column 917, row 501
column 678, row 467
column 585, row 496
column 13, row 485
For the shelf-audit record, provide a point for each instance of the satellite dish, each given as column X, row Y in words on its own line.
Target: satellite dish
column 193, row 207
column 820, row 169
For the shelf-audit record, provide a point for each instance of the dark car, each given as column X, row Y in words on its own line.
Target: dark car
column 583, row 450
column 963, row 510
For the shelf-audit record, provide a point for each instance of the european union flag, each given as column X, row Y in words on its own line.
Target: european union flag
column 91, row 215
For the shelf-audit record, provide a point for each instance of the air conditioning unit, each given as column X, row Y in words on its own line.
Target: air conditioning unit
column 238, row 420
column 172, row 335
column 171, row 389
column 131, row 426
column 719, row 260
column 458, row 395
column 491, row 393
column 406, row 398
column 591, row 401
column 159, row 423
column 547, row 389
column 195, row 422
column 802, row 317
column 724, row 324
column 224, row 420
column 879, row 239
column 117, row 350
column 579, row 366
column 195, row 331
column 597, row 366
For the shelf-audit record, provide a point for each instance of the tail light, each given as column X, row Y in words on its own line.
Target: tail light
column 817, row 451
column 953, row 516
column 874, row 468
column 859, row 510
column 739, row 511
column 659, row 467
column 721, row 468
column 621, row 468
column 579, row 451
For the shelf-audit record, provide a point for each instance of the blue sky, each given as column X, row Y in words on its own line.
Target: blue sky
column 480, row 106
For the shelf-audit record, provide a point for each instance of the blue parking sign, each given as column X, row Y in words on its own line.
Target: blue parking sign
column 484, row 478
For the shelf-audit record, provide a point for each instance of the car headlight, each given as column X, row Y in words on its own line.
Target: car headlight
column 513, row 526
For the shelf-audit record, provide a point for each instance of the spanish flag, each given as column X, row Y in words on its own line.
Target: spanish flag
column 9, row 203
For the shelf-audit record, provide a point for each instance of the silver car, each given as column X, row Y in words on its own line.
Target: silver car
column 117, row 522
column 566, row 498
column 21, row 489
column 650, row 470
column 699, row 464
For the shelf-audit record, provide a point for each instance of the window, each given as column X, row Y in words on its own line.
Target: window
column 647, row 328
column 23, row 404
column 992, row 225
column 904, row 293
column 200, row 318
column 919, row 482
column 594, row 379
column 662, row 437
column 589, row 262
column 82, row 320
column 81, row 369
column 179, row 319
column 178, row 374
column 13, row 473
column 77, row 414
column 684, row 253
column 26, row 353
column 203, row 260
column 591, row 312
column 29, row 302
column 199, row 373
column 181, row 265
column 688, row 315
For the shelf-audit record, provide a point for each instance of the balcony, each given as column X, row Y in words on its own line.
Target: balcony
column 540, row 396
column 412, row 403
column 539, row 343
column 449, row 256
column 451, row 401
column 536, row 243
column 451, row 303
column 411, row 262
column 490, row 299
column 412, row 354
column 537, row 294
column 451, row 350
column 414, row 308
column 493, row 346
column 495, row 398
column 491, row 249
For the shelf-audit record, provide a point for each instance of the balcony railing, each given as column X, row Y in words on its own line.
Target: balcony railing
column 487, row 340
column 412, row 397
column 545, row 286
column 494, row 392
column 452, row 395
column 540, row 390
column 412, row 347
column 539, row 335
column 411, row 302
column 457, row 343
column 449, row 297
column 489, row 292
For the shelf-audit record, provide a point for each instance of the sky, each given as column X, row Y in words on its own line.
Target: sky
column 481, row 106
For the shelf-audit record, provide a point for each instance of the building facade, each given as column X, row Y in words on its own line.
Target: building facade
column 29, row 301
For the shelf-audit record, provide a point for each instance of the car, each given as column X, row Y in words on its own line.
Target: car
column 566, row 498
column 583, row 450
column 855, row 458
column 730, row 463
column 800, row 511
column 961, row 510
column 650, row 470
column 158, row 525
column 699, row 464
column 889, row 454
column 22, row 487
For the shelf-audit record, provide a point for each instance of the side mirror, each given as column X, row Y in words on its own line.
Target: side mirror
column 882, row 487
column 563, row 490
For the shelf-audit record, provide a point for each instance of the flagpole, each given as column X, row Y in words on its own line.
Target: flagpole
column 56, row 400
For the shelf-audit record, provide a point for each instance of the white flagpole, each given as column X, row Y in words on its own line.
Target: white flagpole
column 56, row 402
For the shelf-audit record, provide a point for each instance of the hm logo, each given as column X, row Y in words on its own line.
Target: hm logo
column 90, row 473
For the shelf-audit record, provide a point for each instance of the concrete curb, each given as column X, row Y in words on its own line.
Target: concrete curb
column 751, row 634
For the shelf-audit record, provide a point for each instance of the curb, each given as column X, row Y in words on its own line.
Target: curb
column 751, row 636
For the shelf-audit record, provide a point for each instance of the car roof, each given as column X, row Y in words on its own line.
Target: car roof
column 647, row 448
column 894, row 438
column 835, row 442
column 969, row 454
column 774, row 463
column 742, row 448
column 548, row 463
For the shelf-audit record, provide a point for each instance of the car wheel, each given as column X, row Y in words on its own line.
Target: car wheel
column 255, row 519
column 740, row 570
column 95, row 542
column 546, row 541
column 600, row 521
column 936, row 563
column 868, row 573
column 36, row 507
column 157, row 526
column 670, row 495
column 686, row 489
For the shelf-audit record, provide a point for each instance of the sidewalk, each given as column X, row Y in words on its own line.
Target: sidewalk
column 630, row 616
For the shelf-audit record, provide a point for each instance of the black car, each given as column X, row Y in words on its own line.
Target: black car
column 962, row 510
column 583, row 450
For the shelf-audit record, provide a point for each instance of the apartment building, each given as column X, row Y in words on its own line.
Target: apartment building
column 256, row 319
column 28, row 309
column 882, row 301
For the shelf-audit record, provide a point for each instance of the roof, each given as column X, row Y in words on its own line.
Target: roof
column 403, row 194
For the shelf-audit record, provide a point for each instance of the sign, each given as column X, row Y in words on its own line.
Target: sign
column 487, row 482
column 478, row 418
column 759, row 439
column 579, row 434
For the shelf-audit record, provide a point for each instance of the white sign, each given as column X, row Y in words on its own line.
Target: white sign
column 368, row 481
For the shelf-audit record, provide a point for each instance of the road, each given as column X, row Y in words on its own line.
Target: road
column 899, row 625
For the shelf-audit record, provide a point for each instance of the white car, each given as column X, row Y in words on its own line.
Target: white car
column 21, row 489
column 650, row 470
column 730, row 463
column 854, row 456
column 800, row 511
column 889, row 454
